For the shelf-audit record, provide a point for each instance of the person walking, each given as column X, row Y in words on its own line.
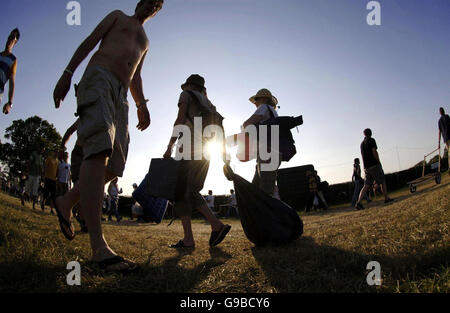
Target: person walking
column 444, row 130
column 266, row 105
column 195, row 171
column 102, row 108
column 358, row 182
column 8, row 68
column 113, row 192
column 372, row 168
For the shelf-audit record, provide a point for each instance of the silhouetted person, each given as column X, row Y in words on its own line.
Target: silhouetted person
column 444, row 130
column 372, row 168
column 8, row 68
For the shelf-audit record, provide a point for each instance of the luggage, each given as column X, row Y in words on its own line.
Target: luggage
column 154, row 208
column 247, row 147
column 286, row 141
column 265, row 220
column 166, row 179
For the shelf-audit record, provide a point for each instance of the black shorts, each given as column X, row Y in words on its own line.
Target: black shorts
column 50, row 188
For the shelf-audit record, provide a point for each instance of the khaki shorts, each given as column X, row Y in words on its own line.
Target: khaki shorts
column 374, row 173
column 32, row 186
column 196, row 172
column 103, row 111
column 76, row 158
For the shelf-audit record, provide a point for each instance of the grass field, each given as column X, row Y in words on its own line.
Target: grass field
column 409, row 238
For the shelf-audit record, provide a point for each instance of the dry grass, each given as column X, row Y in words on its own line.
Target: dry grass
column 410, row 239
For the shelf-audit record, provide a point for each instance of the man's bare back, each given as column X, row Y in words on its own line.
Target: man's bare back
column 122, row 48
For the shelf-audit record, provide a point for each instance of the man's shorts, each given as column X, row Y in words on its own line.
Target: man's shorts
column 32, row 186
column 76, row 158
column 374, row 173
column 196, row 172
column 61, row 188
column 50, row 188
column 103, row 111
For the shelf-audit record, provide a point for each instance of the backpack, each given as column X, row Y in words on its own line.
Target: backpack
column 209, row 115
column 286, row 141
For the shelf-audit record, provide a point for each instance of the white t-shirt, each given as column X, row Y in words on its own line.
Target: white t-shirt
column 263, row 110
column 233, row 201
column 63, row 172
column 210, row 201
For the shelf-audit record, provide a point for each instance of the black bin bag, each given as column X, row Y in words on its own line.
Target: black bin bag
column 265, row 220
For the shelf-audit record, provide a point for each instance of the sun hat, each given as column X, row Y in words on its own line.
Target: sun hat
column 264, row 93
column 194, row 79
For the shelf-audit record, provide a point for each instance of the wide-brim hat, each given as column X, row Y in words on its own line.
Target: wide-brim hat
column 264, row 93
column 194, row 79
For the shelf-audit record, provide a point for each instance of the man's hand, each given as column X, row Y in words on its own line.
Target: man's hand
column 61, row 89
column 7, row 108
column 143, row 117
column 168, row 153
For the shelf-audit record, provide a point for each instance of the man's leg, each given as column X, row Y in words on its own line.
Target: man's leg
column 448, row 154
column 188, row 238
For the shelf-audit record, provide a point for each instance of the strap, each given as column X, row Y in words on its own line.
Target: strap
column 197, row 102
column 270, row 111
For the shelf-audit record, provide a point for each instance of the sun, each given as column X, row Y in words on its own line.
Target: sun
column 214, row 150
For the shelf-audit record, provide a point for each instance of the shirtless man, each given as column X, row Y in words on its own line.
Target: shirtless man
column 8, row 68
column 103, row 119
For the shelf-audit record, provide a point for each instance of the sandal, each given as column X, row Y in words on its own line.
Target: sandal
column 132, row 267
column 63, row 222
column 218, row 236
column 180, row 245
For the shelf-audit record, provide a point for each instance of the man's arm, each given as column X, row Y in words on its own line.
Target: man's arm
column 375, row 154
column 253, row 120
column 181, row 119
column 63, row 85
column 439, row 139
column 69, row 133
column 138, row 96
column 12, row 85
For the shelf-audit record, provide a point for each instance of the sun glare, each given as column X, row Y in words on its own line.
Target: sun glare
column 214, row 150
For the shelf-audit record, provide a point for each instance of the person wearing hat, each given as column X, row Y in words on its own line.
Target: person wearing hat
column 266, row 105
column 194, row 169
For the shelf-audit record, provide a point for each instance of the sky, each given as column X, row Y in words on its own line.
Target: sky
column 320, row 58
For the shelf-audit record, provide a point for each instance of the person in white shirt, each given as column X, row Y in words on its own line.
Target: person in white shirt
column 113, row 191
column 265, row 104
column 210, row 200
column 232, row 204
column 63, row 181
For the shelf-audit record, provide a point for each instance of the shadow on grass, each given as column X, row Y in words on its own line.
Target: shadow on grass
column 305, row 266
column 172, row 276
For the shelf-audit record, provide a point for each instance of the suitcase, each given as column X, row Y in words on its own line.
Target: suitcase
column 166, row 180
column 154, row 208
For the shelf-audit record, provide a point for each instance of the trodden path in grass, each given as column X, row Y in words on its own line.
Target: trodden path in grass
column 409, row 238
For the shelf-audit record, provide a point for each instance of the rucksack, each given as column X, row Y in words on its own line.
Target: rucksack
column 209, row 115
column 286, row 141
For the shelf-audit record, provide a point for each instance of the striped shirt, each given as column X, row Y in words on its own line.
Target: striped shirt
column 6, row 63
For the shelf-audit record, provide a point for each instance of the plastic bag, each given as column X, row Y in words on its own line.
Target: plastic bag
column 265, row 220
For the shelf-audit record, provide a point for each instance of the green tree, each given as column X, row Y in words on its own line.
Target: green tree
column 26, row 136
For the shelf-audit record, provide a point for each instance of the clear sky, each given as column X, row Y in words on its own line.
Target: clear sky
column 319, row 58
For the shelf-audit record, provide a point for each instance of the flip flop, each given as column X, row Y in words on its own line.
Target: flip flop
column 132, row 267
column 180, row 244
column 63, row 222
column 218, row 236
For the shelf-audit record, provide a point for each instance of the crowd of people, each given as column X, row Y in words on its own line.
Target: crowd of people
column 101, row 150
